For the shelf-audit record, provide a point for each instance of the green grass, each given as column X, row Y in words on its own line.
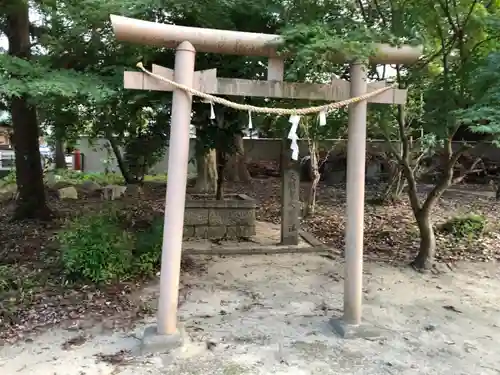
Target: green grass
column 77, row 177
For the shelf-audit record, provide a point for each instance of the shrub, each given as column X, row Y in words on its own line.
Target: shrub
column 161, row 177
column 8, row 178
column 147, row 253
column 96, row 248
column 468, row 226
column 17, row 278
column 107, row 247
column 77, row 177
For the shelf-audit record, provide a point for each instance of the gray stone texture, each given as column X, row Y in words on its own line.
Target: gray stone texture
column 207, row 218
column 351, row 331
column 154, row 343
column 290, row 203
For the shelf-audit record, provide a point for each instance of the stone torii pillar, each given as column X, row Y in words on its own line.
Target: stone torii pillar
column 189, row 39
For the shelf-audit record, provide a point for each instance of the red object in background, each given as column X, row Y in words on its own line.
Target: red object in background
column 77, row 160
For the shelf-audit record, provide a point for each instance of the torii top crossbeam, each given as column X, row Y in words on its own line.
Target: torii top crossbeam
column 232, row 42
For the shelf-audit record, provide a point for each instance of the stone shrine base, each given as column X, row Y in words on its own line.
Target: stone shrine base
column 208, row 218
column 265, row 241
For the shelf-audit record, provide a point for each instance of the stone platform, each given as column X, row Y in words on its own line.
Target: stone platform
column 208, row 218
column 265, row 241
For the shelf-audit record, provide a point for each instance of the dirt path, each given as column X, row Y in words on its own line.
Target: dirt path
column 268, row 315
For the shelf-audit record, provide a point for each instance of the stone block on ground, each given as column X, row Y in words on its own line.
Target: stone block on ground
column 196, row 216
column 188, row 231
column 113, row 192
column 134, row 191
column 358, row 331
column 68, row 193
column 216, row 231
column 90, row 186
column 52, row 178
column 60, row 185
column 207, row 218
column 154, row 343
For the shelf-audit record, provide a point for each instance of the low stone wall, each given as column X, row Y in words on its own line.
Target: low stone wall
column 205, row 217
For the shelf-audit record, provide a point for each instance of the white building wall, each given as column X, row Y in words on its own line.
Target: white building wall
column 96, row 153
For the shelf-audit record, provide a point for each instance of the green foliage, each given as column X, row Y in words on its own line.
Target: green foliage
column 37, row 79
column 337, row 33
column 469, row 226
column 160, row 177
column 9, row 178
column 319, row 42
column 484, row 115
column 148, row 245
column 76, row 177
column 16, row 278
column 96, row 248
column 144, row 147
column 106, row 247
column 219, row 134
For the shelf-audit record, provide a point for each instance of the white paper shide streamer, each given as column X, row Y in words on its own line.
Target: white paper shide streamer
column 293, row 137
column 250, row 125
column 212, row 112
column 322, row 118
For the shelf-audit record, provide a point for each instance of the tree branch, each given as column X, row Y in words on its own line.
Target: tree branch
column 446, row 10
column 363, row 12
column 443, row 49
column 447, row 178
column 381, row 14
column 459, row 179
column 469, row 14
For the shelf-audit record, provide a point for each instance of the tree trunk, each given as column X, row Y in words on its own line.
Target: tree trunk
column 427, row 249
column 120, row 161
column 310, row 206
column 422, row 213
column 206, row 168
column 236, row 168
column 221, row 166
column 396, row 185
column 59, row 155
column 31, row 201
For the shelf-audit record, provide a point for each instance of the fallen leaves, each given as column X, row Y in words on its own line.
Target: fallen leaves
column 390, row 232
column 35, row 295
column 117, row 358
column 74, row 342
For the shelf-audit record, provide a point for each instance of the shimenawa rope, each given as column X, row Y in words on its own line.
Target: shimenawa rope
column 294, row 113
column 278, row 111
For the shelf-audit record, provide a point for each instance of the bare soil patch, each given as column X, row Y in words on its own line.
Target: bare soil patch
column 259, row 315
column 37, row 296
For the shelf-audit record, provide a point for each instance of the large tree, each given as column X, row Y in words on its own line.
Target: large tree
column 456, row 36
column 61, row 56
column 28, row 78
column 31, row 199
column 256, row 16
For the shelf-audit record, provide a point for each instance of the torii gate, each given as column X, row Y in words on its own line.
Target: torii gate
column 188, row 40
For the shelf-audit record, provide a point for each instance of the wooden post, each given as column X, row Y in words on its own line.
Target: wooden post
column 178, row 158
column 356, row 157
